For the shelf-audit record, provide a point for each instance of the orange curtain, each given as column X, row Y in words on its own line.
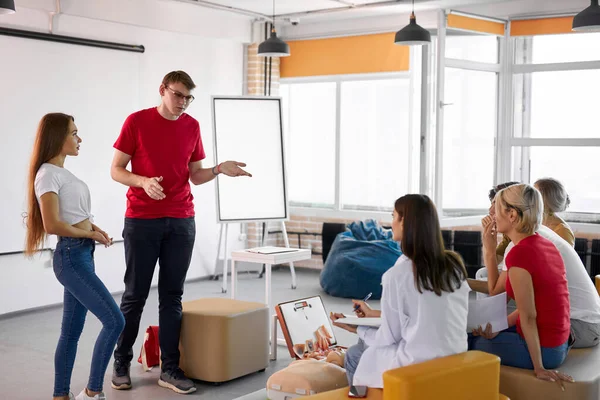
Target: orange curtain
column 541, row 26
column 475, row 24
column 345, row 55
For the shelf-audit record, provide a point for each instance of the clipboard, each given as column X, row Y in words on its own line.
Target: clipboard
column 300, row 319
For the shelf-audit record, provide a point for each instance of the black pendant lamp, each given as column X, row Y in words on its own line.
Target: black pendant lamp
column 7, row 6
column 413, row 33
column 273, row 46
column 589, row 19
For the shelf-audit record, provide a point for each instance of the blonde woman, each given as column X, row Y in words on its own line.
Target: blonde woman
column 538, row 333
column 556, row 200
column 60, row 204
column 583, row 296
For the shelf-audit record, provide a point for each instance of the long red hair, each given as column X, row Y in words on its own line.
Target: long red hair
column 51, row 134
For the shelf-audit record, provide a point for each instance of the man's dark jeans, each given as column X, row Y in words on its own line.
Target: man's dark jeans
column 169, row 241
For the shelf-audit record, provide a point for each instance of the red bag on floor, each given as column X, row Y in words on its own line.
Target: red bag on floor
column 150, row 354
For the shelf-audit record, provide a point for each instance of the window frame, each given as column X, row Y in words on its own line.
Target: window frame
column 522, row 47
column 442, row 62
column 414, row 123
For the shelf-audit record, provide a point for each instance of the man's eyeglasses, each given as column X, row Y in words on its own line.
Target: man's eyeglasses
column 180, row 96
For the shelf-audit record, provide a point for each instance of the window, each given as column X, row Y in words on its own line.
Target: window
column 554, row 112
column 468, row 139
column 558, row 48
column 559, row 104
column 376, row 155
column 353, row 141
column 469, row 103
column 310, row 126
column 471, row 47
column 375, row 143
column 574, row 167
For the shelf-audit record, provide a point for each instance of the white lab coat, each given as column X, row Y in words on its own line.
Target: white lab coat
column 415, row 327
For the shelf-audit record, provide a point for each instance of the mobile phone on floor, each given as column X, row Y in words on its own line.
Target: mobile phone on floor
column 357, row 392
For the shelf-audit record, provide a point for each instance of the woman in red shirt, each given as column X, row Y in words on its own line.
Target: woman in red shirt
column 538, row 333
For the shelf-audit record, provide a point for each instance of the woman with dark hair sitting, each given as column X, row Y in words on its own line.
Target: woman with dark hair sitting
column 424, row 302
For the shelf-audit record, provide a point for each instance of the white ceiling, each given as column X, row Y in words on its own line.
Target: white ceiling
column 294, row 6
column 315, row 10
column 310, row 8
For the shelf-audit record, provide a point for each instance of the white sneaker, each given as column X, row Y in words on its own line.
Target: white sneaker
column 83, row 396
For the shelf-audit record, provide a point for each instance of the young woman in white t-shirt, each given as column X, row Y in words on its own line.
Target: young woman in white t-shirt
column 424, row 302
column 59, row 204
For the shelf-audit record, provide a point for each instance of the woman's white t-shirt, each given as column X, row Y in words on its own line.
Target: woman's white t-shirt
column 74, row 200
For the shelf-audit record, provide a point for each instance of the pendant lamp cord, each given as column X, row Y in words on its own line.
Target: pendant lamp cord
column 269, row 75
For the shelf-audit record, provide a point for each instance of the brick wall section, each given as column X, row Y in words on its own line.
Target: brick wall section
column 255, row 73
column 299, row 223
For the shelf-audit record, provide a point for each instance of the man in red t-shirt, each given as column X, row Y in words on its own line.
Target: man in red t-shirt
column 165, row 149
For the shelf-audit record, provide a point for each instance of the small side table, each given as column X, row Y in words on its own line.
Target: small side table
column 286, row 256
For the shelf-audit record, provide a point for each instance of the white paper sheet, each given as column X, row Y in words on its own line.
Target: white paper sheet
column 271, row 250
column 374, row 322
column 488, row 310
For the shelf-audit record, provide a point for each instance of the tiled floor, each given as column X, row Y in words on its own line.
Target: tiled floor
column 28, row 341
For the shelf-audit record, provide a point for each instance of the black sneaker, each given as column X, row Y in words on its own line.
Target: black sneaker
column 176, row 381
column 120, row 378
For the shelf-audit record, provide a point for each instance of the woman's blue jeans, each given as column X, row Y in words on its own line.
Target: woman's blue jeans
column 512, row 350
column 74, row 269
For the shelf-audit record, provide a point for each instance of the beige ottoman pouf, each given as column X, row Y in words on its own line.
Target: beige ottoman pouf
column 223, row 339
column 581, row 364
column 305, row 378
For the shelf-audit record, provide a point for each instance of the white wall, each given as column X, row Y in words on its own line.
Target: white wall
column 162, row 15
column 207, row 44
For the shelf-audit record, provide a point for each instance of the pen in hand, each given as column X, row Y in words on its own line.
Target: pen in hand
column 367, row 297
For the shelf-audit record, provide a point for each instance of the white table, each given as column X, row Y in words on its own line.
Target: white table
column 269, row 260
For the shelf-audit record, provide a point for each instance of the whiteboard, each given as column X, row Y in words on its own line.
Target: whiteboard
column 99, row 87
column 250, row 130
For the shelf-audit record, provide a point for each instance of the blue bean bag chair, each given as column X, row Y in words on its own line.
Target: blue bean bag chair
column 358, row 259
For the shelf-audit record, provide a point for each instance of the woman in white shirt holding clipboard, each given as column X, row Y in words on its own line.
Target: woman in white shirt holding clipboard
column 424, row 303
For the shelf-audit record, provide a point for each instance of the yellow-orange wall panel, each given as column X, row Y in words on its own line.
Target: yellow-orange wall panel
column 541, row 26
column 345, row 55
column 475, row 24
